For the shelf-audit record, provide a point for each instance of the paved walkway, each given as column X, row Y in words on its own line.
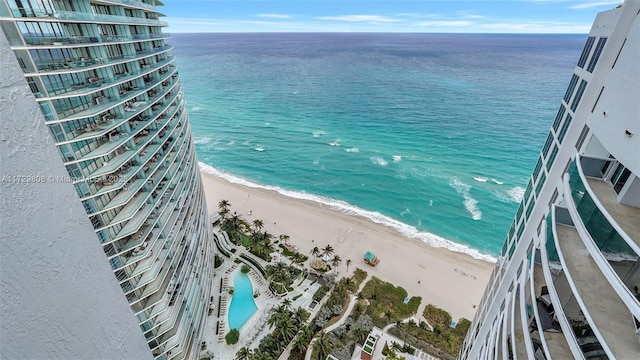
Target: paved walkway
column 345, row 316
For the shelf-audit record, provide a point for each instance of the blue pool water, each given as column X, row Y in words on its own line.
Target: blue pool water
column 242, row 304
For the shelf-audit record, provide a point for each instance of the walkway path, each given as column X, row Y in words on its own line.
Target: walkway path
column 345, row 315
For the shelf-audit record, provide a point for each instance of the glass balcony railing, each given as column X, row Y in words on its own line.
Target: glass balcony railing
column 570, row 310
column 130, row 96
column 610, row 240
column 82, row 16
column 81, row 40
column 135, row 3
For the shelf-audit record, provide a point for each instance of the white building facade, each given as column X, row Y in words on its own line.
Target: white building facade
column 567, row 282
column 106, row 83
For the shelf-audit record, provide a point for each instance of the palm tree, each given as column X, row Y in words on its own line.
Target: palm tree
column 297, row 258
column 348, row 262
column 300, row 343
column 277, row 316
column 258, row 225
column 232, row 225
column 327, row 250
column 315, row 252
column 322, row 346
column 287, row 329
column 243, row 354
column 336, row 261
column 300, row 315
column 284, row 238
column 359, row 333
column 287, row 303
column 223, row 205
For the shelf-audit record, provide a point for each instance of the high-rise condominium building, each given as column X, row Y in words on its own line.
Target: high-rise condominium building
column 109, row 92
column 567, row 282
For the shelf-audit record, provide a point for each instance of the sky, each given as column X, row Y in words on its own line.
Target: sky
column 426, row 16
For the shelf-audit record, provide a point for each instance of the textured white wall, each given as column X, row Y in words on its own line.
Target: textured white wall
column 59, row 298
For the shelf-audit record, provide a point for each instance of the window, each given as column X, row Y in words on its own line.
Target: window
column 572, row 86
column 519, row 212
column 530, row 207
column 596, row 54
column 582, row 137
column 543, row 178
column 527, row 192
column 586, row 51
column 576, row 99
column 547, row 145
column 559, row 117
column 565, row 127
column 552, row 157
column 536, row 170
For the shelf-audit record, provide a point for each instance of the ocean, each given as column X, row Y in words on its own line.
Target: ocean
column 434, row 135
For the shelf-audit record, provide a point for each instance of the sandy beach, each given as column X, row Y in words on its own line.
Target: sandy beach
column 450, row 280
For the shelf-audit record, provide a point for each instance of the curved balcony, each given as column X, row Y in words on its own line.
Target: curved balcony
column 94, row 85
column 128, row 3
column 554, row 342
column 598, row 206
column 611, row 253
column 76, row 65
column 560, row 302
column 54, row 15
column 109, row 104
column 137, row 127
column 601, row 306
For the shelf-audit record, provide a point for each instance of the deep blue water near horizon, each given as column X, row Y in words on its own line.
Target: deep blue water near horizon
column 434, row 135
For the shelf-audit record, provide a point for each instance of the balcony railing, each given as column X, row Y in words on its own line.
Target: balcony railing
column 82, row 16
column 599, row 302
column 602, row 227
column 80, row 40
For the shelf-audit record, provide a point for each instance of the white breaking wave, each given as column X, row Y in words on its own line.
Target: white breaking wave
column 470, row 203
column 318, row 133
column 203, row 140
column 379, row 160
column 480, row 179
column 346, row 208
column 516, row 193
column 397, row 158
column 231, row 143
column 497, row 182
column 335, row 143
column 259, row 148
column 196, row 108
column 352, row 150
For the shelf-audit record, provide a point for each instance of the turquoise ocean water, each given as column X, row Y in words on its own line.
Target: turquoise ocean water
column 434, row 135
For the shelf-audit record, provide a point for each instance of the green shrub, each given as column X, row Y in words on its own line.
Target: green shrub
column 245, row 268
column 319, row 294
column 436, row 316
column 232, row 337
column 218, row 261
column 237, row 261
column 296, row 297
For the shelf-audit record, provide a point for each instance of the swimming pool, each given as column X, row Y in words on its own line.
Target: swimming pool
column 242, row 304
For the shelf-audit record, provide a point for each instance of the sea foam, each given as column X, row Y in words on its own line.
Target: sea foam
column 201, row 140
column 348, row 209
column 379, row 161
column 352, row 150
column 516, row 193
column 480, row 179
column 470, row 203
column 397, row 158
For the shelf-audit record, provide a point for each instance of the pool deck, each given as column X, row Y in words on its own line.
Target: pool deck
column 255, row 328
